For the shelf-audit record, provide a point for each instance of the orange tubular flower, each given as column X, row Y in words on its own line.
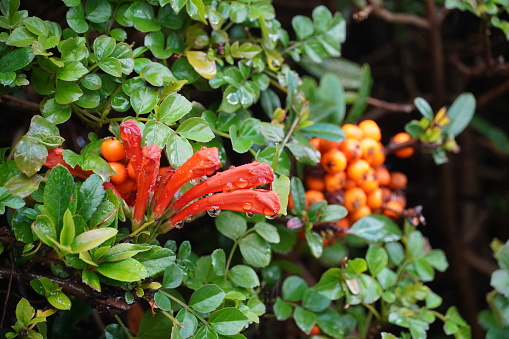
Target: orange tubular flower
column 204, row 162
column 55, row 158
column 131, row 139
column 147, row 177
column 244, row 200
column 241, row 177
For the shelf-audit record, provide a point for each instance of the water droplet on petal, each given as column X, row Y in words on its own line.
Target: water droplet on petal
column 214, row 212
column 269, row 212
column 250, row 214
column 179, row 225
column 228, row 186
column 189, row 218
column 242, row 182
column 248, row 206
column 255, row 163
column 231, row 167
column 271, row 217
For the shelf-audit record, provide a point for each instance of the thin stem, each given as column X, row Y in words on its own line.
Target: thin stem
column 172, row 318
column 373, row 311
column 279, row 149
column 126, row 330
column 230, row 257
column 184, row 305
column 141, row 228
column 364, row 333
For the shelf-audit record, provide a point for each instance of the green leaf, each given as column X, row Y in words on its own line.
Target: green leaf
column 124, row 251
column 72, row 71
column 298, row 195
column 255, row 250
column 73, row 49
column 231, row 225
column 314, row 301
column 329, row 284
column 196, row 129
column 21, row 37
column 326, row 131
column 91, row 279
column 24, row 311
column 376, row 228
column 127, row 270
column 303, row 27
column 205, row 332
column 91, row 239
column 156, row 260
column 103, row 46
column 154, row 326
column 460, row 112
column 90, row 196
column 218, row 259
column 497, row 136
column 178, row 150
column 196, row 10
column 162, row 301
column 98, row 10
column 111, row 66
column 377, row 259
column 68, row 229
column 67, row 92
column 45, row 230
column 142, row 15
column 143, row 99
column 332, row 213
column 244, row 276
column 303, row 151
column 293, row 288
column 189, row 323
column 16, row 59
column 305, row 320
column 76, row 19
column 282, row 310
column 362, row 99
column 207, row 298
column 57, row 195
column 267, row 232
column 156, row 74
column 155, row 133
column 59, row 300
column 202, row 64
column 424, row 108
column 172, row 276
column 54, row 112
column 173, row 108
column 315, row 243
column 500, row 281
column 228, row 321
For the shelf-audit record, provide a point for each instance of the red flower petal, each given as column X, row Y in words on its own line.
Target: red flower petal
column 55, row 158
column 151, row 156
column 246, row 200
column 130, row 134
column 242, row 177
column 204, row 162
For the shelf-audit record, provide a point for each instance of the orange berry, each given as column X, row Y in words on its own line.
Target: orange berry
column 290, row 202
column 354, row 199
column 334, row 181
column 313, row 196
column 351, row 148
column 362, row 211
column 315, row 183
column 383, row 175
column 352, row 131
column 112, row 150
column 121, row 172
column 126, row 187
column 400, row 138
column 327, row 145
column 399, row 197
column 357, row 170
column 333, row 161
column 393, row 209
column 343, row 223
column 349, row 183
column 370, row 129
column 130, row 171
column 315, row 330
column 374, row 199
column 315, row 142
column 386, row 194
column 398, row 182
column 369, row 183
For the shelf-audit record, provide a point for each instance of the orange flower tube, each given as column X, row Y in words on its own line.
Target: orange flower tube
column 55, row 158
column 151, row 156
column 130, row 134
column 204, row 162
column 242, row 177
column 245, row 200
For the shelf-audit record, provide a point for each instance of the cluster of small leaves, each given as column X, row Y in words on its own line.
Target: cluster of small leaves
column 437, row 132
column 26, row 321
column 494, row 320
column 392, row 275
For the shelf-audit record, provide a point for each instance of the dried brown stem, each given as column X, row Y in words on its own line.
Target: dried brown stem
column 399, row 18
column 406, row 108
column 18, row 103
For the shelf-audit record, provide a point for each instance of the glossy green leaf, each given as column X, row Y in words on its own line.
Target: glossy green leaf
column 142, row 15
column 228, row 321
column 67, row 92
column 16, row 59
column 460, row 112
column 282, row 310
column 127, row 270
column 156, row 74
column 315, row 243
column 231, row 225
column 143, row 99
column 68, row 229
column 60, row 301
column 154, row 326
column 98, row 10
column 196, row 129
column 244, row 276
column 29, row 155
column 103, row 46
column 205, row 332
column 124, row 251
column 73, row 49
column 202, row 64
column 293, row 288
column 45, row 230
column 156, row 260
column 91, row 279
column 76, row 19
column 362, row 98
column 207, row 298
column 162, row 301
column 267, row 232
column 21, row 37
column 173, row 108
column 155, row 133
column 172, row 277
column 91, row 239
column 376, row 228
column 255, row 250
column 304, row 319
column 57, row 195
column 424, row 108
column 178, row 150
column 377, row 259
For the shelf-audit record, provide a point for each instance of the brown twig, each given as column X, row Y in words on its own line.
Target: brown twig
column 481, row 264
column 19, row 103
column 400, row 18
column 390, row 106
column 493, row 93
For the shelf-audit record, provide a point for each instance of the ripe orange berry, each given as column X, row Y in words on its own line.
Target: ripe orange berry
column 374, row 199
column 362, row 211
column 400, row 138
column 357, row 170
column 120, row 170
column 393, row 209
column 399, row 197
column 343, row 223
column 315, row 183
column 386, row 194
column 315, row 142
column 398, row 181
column 372, row 152
column 354, row 199
column 313, row 196
column 383, row 175
column 370, row 129
column 352, row 131
column 327, row 145
column 112, row 150
column 315, row 330
column 126, row 187
column 333, row 161
column 369, row 183
column 290, row 202
column 334, row 181
column 351, row 148
column 130, row 171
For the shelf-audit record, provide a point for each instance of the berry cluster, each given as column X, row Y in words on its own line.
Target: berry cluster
column 352, row 173
column 125, row 179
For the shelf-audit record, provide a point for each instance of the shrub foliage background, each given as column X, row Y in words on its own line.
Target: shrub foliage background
column 225, row 74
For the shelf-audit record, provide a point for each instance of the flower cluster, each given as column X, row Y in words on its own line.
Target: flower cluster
column 158, row 189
